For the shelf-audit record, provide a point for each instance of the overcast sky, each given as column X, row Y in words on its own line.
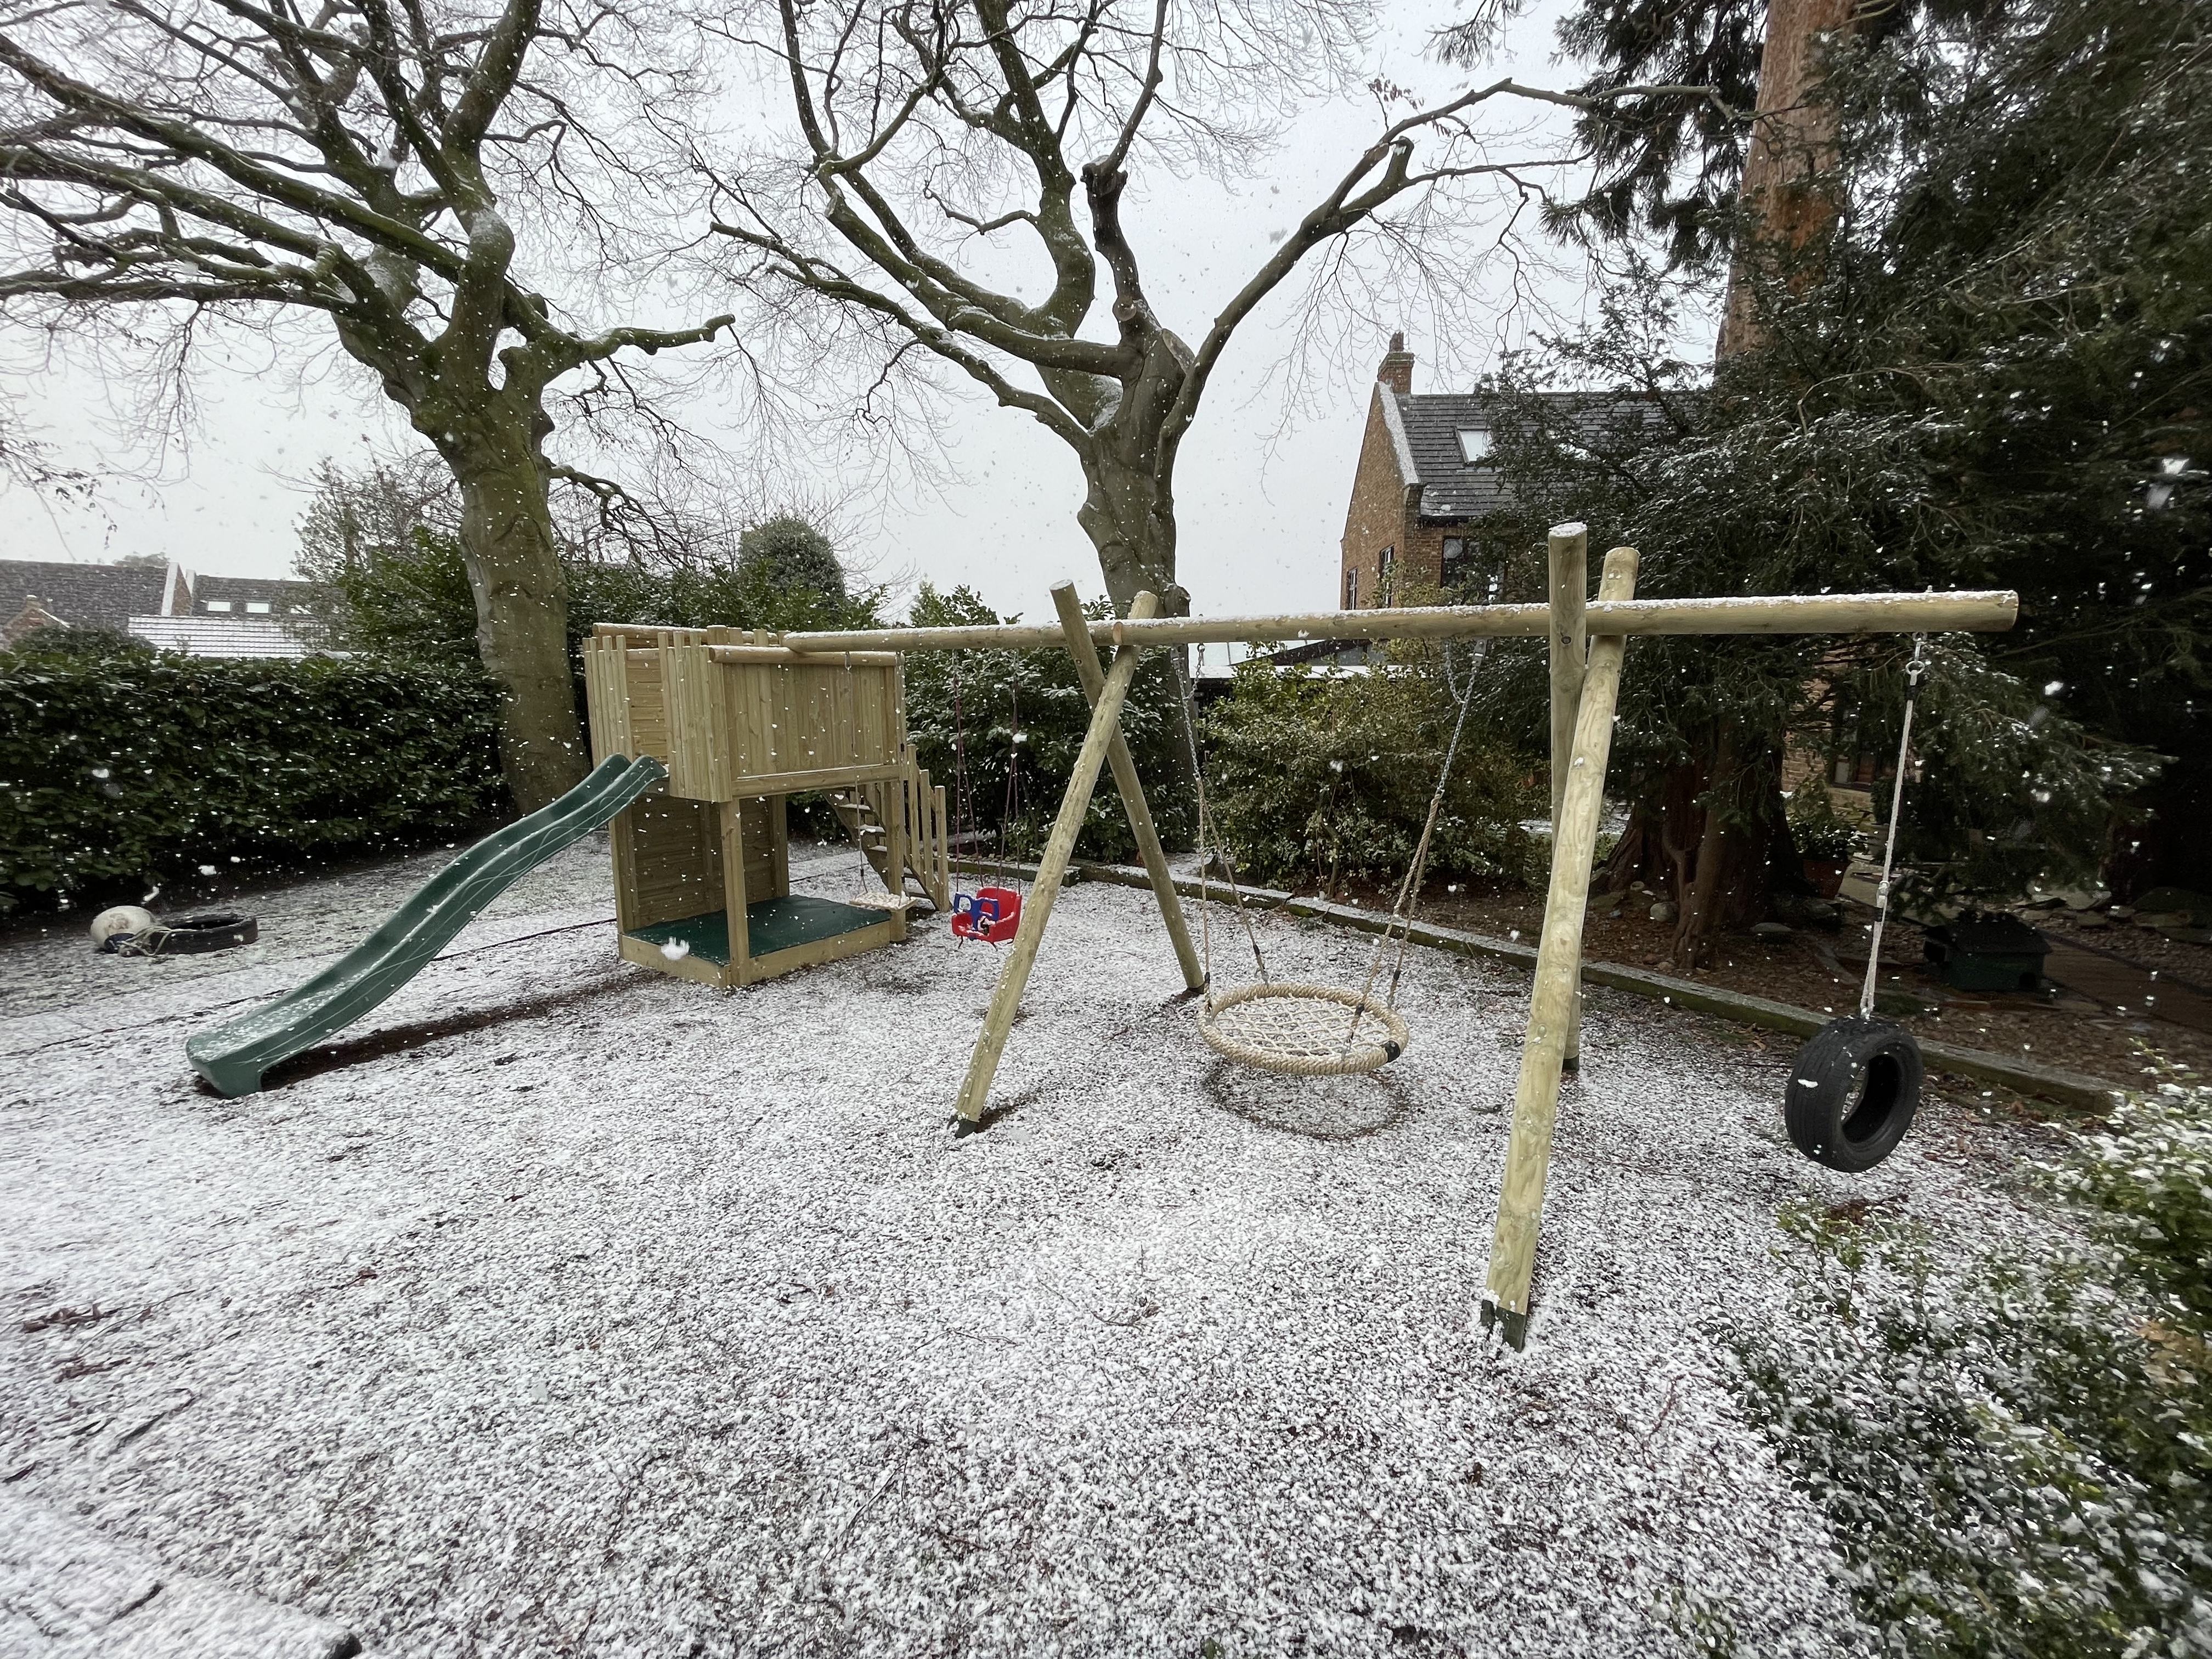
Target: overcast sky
column 1262, row 486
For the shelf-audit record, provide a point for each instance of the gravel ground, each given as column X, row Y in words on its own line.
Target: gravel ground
column 572, row 1308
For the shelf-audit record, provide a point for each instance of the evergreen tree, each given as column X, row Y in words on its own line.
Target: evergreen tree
column 1988, row 371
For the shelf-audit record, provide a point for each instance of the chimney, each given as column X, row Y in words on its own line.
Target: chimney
column 1397, row 370
column 177, row 591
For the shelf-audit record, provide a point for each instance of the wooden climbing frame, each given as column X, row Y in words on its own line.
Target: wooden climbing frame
column 1588, row 640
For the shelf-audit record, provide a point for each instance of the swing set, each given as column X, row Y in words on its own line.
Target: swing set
column 726, row 743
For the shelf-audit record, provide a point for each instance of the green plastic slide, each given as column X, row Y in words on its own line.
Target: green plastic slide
column 232, row 1057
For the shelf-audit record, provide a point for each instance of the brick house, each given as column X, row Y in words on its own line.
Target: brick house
column 1424, row 486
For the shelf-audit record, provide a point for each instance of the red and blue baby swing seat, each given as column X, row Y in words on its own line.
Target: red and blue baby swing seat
column 992, row 915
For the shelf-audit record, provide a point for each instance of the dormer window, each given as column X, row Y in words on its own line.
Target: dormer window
column 1473, row 443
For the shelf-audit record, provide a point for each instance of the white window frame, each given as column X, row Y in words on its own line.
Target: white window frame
column 1474, row 444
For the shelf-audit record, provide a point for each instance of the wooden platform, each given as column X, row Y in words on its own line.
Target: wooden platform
column 783, row 933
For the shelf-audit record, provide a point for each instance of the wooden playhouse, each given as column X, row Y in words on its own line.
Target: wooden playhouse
column 703, row 867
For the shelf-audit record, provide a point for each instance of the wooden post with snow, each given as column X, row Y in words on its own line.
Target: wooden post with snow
column 1131, row 789
column 1052, row 870
column 1568, row 546
column 1559, row 973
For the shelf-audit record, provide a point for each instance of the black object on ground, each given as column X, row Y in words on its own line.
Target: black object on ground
column 1987, row 953
column 211, row 930
column 1853, row 1089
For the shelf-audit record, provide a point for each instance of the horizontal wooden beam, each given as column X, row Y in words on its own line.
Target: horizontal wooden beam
column 1982, row 611
column 784, row 654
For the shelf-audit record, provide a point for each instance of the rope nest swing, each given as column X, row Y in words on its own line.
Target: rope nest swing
column 1302, row 1030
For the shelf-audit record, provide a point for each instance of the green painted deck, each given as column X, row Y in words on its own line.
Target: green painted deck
column 772, row 924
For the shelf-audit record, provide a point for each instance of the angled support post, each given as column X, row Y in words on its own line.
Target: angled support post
column 1052, row 870
column 1131, row 789
column 1569, row 547
column 1559, row 974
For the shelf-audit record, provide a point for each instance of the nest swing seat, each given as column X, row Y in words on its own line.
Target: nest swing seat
column 1302, row 1030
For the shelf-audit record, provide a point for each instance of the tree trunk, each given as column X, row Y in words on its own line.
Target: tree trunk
column 522, row 617
column 1793, row 142
column 1709, row 834
column 1712, row 828
column 1128, row 514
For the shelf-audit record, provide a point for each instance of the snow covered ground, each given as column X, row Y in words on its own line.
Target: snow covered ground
column 584, row 1310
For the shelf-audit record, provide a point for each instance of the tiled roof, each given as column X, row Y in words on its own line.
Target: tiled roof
column 1450, row 486
column 83, row 595
column 203, row 636
column 280, row 594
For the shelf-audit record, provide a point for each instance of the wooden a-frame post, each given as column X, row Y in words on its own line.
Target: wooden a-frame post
column 1052, row 870
column 1558, row 973
column 1568, row 546
column 1131, row 789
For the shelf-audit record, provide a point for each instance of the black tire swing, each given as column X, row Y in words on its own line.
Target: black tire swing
column 1855, row 1085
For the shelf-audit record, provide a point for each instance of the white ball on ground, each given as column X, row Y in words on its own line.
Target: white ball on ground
column 120, row 919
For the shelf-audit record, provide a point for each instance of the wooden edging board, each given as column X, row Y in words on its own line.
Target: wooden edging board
column 1977, row 1064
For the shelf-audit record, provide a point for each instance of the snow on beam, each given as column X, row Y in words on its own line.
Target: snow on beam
column 1978, row 611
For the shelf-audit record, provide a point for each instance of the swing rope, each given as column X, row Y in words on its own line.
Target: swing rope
column 1207, row 849
column 1409, row 891
column 1912, row 673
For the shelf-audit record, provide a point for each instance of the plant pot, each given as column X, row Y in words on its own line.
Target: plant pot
column 1825, row 875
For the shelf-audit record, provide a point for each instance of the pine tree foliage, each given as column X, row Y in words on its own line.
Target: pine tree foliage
column 1992, row 373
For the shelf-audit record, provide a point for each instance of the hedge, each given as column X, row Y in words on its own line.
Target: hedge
column 1317, row 778
column 145, row 768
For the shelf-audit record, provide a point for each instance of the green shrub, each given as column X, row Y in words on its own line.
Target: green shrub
column 129, row 767
column 1023, row 715
column 1817, row 831
column 1316, row 777
column 2016, row 1454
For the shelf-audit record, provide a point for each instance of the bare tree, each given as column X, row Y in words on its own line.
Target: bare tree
column 930, row 128
column 390, row 166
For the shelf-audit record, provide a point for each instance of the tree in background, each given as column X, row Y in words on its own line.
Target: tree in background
column 393, row 170
column 944, row 146
column 786, row 552
column 1988, row 370
column 1315, row 778
column 383, row 548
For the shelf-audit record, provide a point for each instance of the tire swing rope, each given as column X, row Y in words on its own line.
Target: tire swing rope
column 1912, row 673
column 1855, row 1085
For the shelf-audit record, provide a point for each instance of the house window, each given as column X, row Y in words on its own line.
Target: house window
column 218, row 605
column 1454, row 566
column 257, row 607
column 1352, row 590
column 1473, row 443
column 1386, row 564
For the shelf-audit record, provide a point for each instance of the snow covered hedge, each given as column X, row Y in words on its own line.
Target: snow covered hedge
column 2014, row 1448
column 1317, row 778
column 126, row 768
